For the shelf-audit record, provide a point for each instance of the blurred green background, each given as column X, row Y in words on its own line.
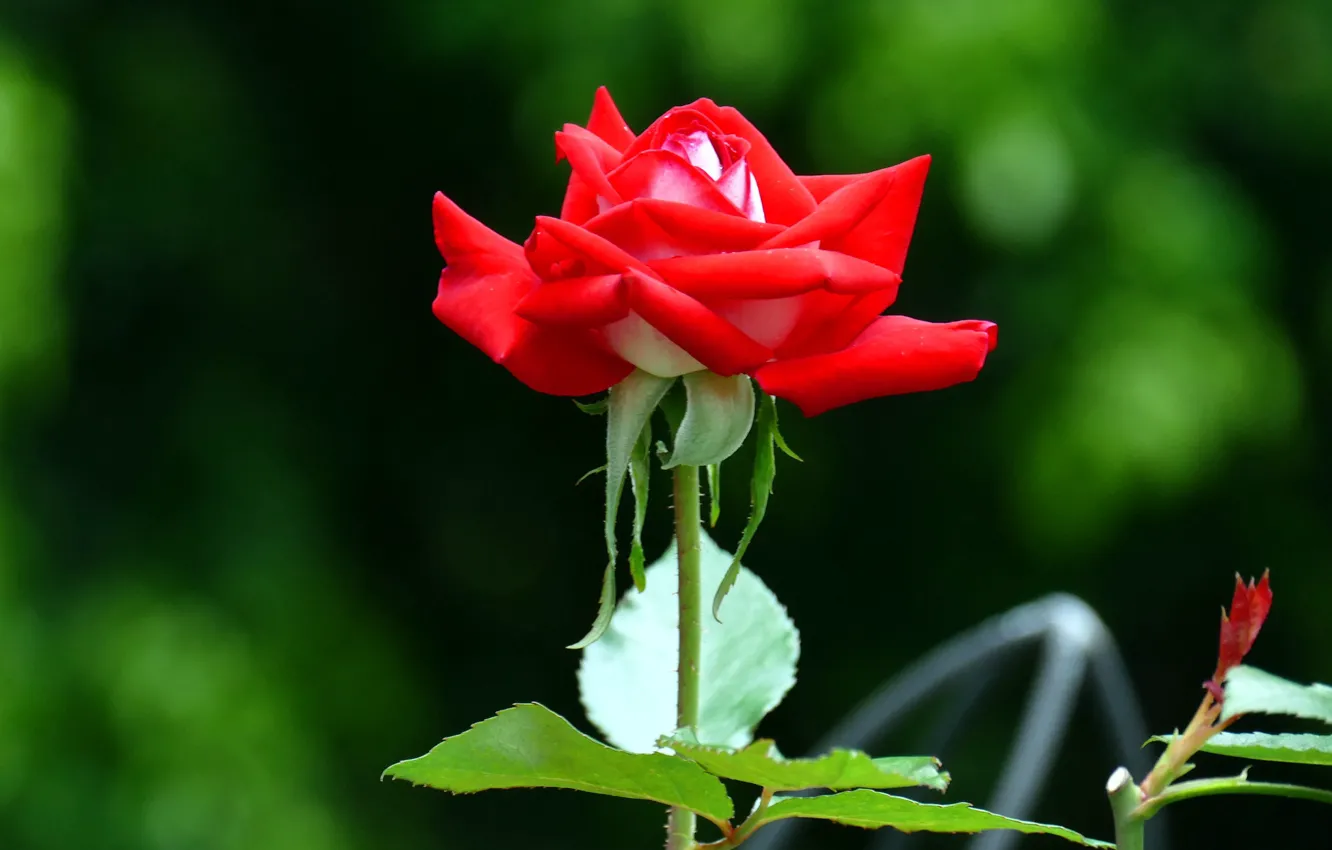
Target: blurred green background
column 266, row 526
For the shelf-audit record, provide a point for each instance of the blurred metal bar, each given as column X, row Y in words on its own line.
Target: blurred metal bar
column 1075, row 642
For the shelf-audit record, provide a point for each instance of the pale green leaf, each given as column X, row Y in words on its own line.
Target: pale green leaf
column 530, row 746
column 761, row 764
column 719, row 412
column 628, row 678
column 1253, row 691
column 874, row 810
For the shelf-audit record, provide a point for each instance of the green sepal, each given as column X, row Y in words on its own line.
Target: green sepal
column 639, row 474
column 714, row 494
column 593, row 408
column 672, row 407
column 760, row 488
column 589, row 474
column 719, row 413
column 631, row 403
column 761, row 764
column 530, row 746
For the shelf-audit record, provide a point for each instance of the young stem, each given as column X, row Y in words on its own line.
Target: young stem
column 1125, row 797
column 688, row 522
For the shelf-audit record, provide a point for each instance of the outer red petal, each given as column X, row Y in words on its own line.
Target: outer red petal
column 774, row 273
column 590, row 157
column 650, row 229
column 894, row 355
column 828, row 325
column 607, row 122
column 823, row 185
column 785, row 198
column 705, row 231
column 871, row 217
column 710, row 339
column 459, row 236
column 587, row 302
column 486, row 277
column 556, row 245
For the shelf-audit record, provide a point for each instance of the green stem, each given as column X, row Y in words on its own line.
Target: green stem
column 688, row 522
column 1228, row 785
column 1125, row 797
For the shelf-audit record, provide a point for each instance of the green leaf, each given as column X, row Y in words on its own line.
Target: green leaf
column 714, row 494
column 760, row 488
column 631, row 403
column 628, row 679
column 639, row 475
column 873, row 810
column 719, row 412
column 530, row 746
column 1253, row 691
column 761, row 764
column 1259, row 746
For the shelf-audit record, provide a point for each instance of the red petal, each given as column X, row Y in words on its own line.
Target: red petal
column 894, row 355
column 556, row 245
column 871, row 217
column 479, row 308
column 773, row 273
column 785, row 198
column 709, row 339
column 590, row 157
column 607, row 122
column 486, row 277
column 823, row 185
column 705, row 231
column 680, row 119
column 580, row 201
column 588, row 302
column 827, row 325
column 668, row 177
column 459, row 236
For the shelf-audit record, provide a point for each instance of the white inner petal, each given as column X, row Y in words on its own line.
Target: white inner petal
column 648, row 349
column 753, row 205
column 697, row 148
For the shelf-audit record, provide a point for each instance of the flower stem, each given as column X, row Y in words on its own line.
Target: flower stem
column 1125, row 797
column 688, row 522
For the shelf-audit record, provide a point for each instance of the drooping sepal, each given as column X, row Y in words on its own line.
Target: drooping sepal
column 767, row 439
column 719, row 413
column 630, row 404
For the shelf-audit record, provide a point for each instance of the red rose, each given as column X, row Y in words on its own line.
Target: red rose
column 693, row 246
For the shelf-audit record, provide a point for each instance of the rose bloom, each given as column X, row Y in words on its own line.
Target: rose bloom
column 693, row 246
